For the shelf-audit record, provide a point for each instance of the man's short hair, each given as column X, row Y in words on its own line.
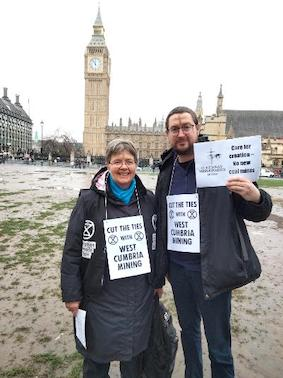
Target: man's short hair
column 119, row 145
column 179, row 110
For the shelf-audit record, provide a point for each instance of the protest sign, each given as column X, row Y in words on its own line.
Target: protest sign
column 126, row 247
column 183, row 223
column 216, row 161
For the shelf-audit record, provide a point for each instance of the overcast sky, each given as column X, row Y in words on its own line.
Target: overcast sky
column 163, row 53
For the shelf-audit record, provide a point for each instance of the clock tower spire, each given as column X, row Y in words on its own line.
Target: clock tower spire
column 97, row 82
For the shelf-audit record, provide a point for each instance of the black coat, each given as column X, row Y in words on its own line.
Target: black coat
column 83, row 278
column 118, row 312
column 228, row 259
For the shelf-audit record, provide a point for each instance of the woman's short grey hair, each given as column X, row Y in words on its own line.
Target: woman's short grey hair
column 117, row 146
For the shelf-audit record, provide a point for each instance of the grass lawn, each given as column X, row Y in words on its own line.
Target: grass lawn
column 270, row 182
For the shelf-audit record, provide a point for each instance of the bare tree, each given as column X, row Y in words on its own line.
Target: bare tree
column 61, row 146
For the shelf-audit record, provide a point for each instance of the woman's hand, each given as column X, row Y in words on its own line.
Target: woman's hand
column 244, row 187
column 73, row 307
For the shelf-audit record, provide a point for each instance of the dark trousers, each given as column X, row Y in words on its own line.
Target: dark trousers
column 215, row 313
column 128, row 369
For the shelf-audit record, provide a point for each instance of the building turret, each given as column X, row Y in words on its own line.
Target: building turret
column 199, row 109
column 219, row 108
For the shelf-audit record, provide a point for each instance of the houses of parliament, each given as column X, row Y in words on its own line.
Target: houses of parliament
column 151, row 141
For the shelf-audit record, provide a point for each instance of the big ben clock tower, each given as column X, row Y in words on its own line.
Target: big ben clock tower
column 97, row 81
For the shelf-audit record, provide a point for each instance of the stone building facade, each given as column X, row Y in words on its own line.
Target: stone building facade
column 15, row 126
column 272, row 152
column 151, row 141
column 215, row 125
column 226, row 123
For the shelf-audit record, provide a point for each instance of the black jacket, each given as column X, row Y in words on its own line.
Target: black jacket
column 228, row 259
column 82, row 278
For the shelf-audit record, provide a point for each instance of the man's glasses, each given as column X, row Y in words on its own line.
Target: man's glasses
column 185, row 128
column 119, row 163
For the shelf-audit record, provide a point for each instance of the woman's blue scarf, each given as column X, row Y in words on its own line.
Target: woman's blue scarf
column 122, row 194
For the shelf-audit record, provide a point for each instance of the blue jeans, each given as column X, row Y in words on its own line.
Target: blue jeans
column 215, row 313
column 128, row 369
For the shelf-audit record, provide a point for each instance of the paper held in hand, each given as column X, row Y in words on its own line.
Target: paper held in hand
column 80, row 326
column 216, row 161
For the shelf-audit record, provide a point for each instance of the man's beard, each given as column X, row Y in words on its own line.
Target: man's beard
column 187, row 151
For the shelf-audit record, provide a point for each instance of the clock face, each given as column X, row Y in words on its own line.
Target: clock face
column 95, row 64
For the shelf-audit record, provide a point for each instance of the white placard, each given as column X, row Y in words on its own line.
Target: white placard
column 183, row 223
column 126, row 246
column 80, row 326
column 216, row 161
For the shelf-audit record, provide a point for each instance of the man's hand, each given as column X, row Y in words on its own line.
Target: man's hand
column 244, row 188
column 73, row 307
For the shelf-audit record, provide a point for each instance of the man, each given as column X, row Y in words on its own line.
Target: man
column 202, row 277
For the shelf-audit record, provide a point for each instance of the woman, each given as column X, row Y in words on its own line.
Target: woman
column 107, row 265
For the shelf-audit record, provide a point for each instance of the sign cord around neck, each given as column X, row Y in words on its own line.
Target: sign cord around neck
column 172, row 175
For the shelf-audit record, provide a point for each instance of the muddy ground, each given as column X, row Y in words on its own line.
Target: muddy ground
column 35, row 329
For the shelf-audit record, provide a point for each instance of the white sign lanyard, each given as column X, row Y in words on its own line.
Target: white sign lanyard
column 183, row 225
column 126, row 245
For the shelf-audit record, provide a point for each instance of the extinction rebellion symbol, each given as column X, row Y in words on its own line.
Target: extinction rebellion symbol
column 192, row 214
column 113, row 239
column 138, row 235
column 89, row 229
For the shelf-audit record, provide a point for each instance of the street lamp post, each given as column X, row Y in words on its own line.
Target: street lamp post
column 41, row 125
